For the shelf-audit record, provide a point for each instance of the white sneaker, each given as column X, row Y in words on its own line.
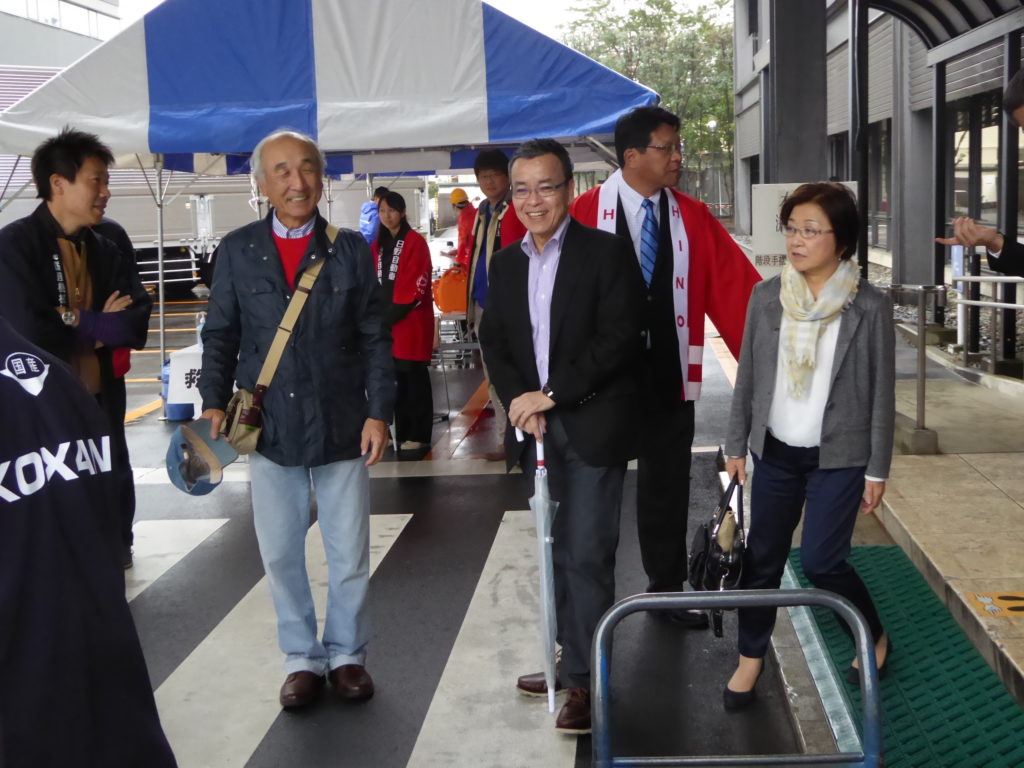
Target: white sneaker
column 411, row 445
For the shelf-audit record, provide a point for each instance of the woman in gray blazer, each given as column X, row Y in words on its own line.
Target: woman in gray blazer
column 815, row 401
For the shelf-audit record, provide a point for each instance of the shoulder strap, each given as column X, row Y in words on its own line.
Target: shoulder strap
column 291, row 316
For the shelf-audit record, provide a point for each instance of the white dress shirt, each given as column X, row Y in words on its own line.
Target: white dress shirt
column 632, row 205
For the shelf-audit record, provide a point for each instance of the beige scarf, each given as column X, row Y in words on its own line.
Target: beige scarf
column 808, row 318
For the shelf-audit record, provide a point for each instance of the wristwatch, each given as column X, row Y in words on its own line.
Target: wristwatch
column 68, row 317
column 546, row 390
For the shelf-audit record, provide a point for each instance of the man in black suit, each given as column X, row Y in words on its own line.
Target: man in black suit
column 561, row 337
column 1005, row 252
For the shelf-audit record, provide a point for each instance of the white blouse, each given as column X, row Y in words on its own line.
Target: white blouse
column 798, row 422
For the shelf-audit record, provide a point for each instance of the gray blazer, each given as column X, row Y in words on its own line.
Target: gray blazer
column 857, row 428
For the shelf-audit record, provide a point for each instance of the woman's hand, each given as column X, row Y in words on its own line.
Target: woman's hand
column 737, row 466
column 873, row 492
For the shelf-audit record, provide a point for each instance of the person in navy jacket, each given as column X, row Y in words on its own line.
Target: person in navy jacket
column 74, row 689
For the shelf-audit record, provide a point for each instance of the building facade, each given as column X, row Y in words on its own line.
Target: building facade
column 793, row 113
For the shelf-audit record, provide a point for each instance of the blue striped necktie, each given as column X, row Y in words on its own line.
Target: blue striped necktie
column 648, row 242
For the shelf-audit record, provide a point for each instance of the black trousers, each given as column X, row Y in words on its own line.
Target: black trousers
column 785, row 479
column 414, row 402
column 663, row 494
column 586, row 535
column 113, row 401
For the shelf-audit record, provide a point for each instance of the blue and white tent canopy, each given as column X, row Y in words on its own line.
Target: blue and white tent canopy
column 195, row 76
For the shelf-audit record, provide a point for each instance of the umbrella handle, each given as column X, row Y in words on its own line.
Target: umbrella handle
column 520, row 436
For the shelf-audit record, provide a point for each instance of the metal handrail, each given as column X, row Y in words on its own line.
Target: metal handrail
column 922, row 291
column 995, row 306
column 871, row 742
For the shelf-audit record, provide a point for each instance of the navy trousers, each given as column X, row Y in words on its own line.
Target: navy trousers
column 586, row 535
column 663, row 494
column 787, row 478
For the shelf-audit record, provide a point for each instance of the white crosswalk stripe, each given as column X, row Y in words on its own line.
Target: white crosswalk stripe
column 159, row 544
column 219, row 703
column 476, row 717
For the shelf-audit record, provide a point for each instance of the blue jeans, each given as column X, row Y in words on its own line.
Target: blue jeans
column 281, row 515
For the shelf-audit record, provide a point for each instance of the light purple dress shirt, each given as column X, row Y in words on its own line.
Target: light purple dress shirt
column 540, row 285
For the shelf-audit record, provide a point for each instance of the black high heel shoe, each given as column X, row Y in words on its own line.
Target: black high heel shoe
column 853, row 673
column 734, row 700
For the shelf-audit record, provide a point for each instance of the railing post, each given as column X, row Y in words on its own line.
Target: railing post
column 922, row 298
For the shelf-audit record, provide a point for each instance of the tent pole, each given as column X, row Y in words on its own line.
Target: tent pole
column 10, row 178
column 159, row 198
column 330, row 198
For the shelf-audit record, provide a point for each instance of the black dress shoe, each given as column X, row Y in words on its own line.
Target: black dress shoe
column 853, row 673
column 691, row 619
column 352, row 682
column 734, row 700
column 574, row 716
column 300, row 689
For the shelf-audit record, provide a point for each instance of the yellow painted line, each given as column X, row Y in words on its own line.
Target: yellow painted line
column 997, row 604
column 183, row 303
column 142, row 381
column 138, row 413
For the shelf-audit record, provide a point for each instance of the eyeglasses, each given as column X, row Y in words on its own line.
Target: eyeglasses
column 671, row 149
column 805, row 232
column 544, row 190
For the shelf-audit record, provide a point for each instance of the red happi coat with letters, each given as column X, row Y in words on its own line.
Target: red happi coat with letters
column 718, row 284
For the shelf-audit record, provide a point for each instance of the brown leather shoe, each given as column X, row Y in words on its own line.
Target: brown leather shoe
column 351, row 681
column 300, row 689
column 536, row 685
column 574, row 716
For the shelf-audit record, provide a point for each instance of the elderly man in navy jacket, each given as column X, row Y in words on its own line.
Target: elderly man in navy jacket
column 325, row 413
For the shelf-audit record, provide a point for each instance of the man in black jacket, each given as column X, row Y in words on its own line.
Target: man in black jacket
column 325, row 413
column 74, row 689
column 71, row 290
column 560, row 338
column 1005, row 252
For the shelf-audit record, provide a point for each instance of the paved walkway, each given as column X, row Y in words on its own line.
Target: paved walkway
column 959, row 515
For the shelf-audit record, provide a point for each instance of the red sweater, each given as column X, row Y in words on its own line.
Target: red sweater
column 291, row 250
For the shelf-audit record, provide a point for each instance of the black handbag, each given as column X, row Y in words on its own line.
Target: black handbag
column 716, row 554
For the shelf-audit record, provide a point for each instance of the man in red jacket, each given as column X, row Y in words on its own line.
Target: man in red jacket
column 692, row 268
column 495, row 227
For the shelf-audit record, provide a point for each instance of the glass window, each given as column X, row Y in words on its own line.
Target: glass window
column 48, row 12
column 17, row 7
column 838, row 155
column 74, row 18
column 1020, row 182
column 106, row 27
column 879, row 186
column 961, row 163
column 989, row 210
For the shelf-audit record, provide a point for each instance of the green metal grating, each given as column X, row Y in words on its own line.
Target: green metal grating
column 942, row 705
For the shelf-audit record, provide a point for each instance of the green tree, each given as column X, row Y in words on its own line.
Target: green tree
column 684, row 52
